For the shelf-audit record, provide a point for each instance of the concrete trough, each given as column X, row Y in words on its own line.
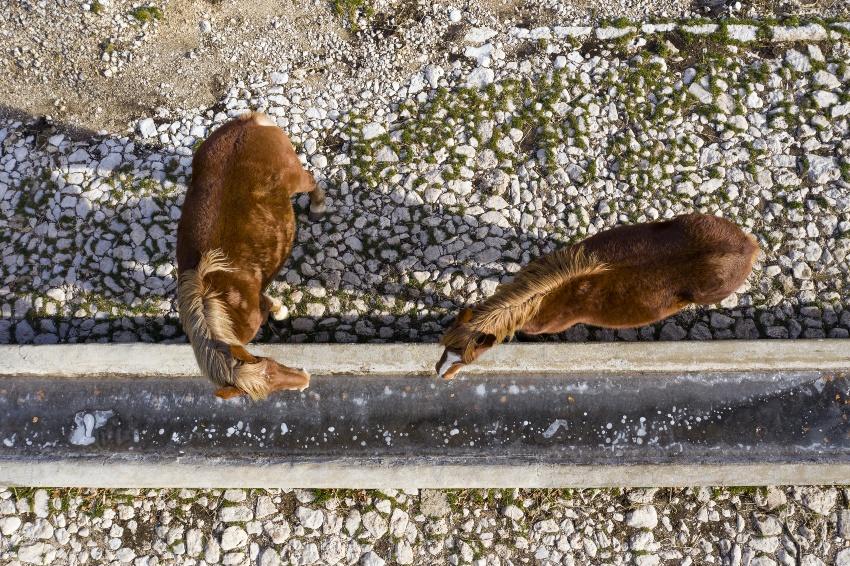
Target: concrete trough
column 529, row 415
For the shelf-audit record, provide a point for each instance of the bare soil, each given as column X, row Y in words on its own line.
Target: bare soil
column 97, row 66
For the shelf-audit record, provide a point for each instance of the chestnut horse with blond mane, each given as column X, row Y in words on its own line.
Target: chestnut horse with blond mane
column 236, row 231
column 621, row 278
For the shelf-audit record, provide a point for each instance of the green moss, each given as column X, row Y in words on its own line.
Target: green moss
column 764, row 33
column 23, row 493
column 350, row 9
column 615, row 23
column 147, row 14
column 322, row 496
column 740, row 490
column 96, row 7
column 590, row 173
column 845, row 171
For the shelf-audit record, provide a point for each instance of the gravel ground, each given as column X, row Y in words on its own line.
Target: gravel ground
column 793, row 526
column 443, row 179
column 103, row 63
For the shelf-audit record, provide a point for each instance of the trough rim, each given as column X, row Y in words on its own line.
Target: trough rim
column 395, row 472
column 177, row 360
column 105, row 361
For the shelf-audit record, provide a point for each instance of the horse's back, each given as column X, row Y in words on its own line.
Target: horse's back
column 693, row 258
column 670, row 241
column 234, row 173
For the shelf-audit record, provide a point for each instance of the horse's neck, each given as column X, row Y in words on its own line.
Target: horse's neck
column 240, row 296
column 559, row 309
column 516, row 303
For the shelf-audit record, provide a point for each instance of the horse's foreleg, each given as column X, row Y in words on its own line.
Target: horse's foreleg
column 317, row 203
column 271, row 306
column 548, row 322
column 307, row 184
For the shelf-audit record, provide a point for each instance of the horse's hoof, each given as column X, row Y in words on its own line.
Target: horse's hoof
column 317, row 212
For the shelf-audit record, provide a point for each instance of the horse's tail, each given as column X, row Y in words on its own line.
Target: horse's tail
column 210, row 330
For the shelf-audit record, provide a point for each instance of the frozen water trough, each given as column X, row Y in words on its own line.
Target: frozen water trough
column 624, row 414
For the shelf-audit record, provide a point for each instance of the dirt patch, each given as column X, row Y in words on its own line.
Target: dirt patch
column 142, row 538
column 288, row 504
column 170, row 62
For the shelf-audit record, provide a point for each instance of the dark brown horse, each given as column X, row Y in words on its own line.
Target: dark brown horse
column 622, row 278
column 235, row 233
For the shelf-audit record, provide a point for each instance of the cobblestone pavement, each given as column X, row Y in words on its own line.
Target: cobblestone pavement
column 807, row 526
column 444, row 180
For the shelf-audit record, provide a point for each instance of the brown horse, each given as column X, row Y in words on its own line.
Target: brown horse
column 624, row 277
column 235, row 232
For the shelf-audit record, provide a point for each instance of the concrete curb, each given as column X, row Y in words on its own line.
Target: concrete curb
column 147, row 360
column 404, row 475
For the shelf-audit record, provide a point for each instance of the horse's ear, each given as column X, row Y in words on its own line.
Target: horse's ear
column 464, row 316
column 228, row 392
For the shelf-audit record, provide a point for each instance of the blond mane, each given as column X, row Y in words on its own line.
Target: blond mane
column 515, row 303
column 208, row 325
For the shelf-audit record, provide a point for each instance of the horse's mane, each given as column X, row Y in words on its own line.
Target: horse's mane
column 515, row 303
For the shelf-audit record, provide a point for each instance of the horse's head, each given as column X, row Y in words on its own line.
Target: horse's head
column 463, row 345
column 258, row 380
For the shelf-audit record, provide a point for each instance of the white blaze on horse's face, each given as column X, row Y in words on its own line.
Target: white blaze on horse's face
column 449, row 364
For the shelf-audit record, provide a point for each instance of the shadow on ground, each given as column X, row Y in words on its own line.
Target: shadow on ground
column 402, row 309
